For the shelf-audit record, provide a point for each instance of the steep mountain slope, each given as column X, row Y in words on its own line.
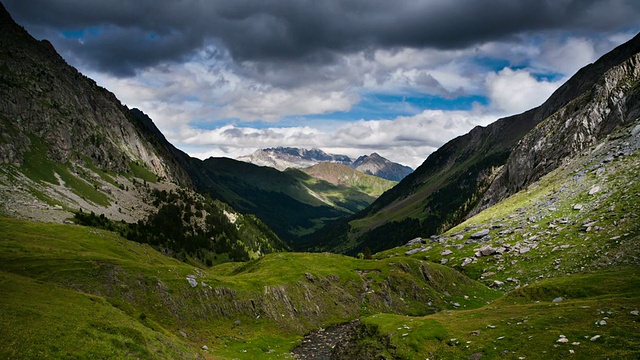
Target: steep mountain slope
column 376, row 165
column 68, row 146
column 283, row 158
column 455, row 179
column 61, row 130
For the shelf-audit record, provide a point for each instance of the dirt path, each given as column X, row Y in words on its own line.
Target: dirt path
column 319, row 344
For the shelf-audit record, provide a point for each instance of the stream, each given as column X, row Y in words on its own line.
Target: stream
column 319, row 344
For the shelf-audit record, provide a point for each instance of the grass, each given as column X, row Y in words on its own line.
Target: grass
column 44, row 321
column 39, row 168
column 142, row 172
column 257, row 309
column 528, row 327
column 543, row 219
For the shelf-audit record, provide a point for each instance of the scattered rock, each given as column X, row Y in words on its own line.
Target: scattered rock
column 205, row 347
column 444, row 261
column 182, row 333
column 558, row 299
column 487, row 274
column 192, row 280
column 446, row 252
column 577, row 207
column 491, row 326
column 466, row 261
column 487, row 250
column 594, row 190
column 497, row 283
column 594, row 338
column 480, row 234
column 456, row 304
column 413, row 251
column 524, row 250
column 415, row 241
column 563, row 340
column 475, row 332
column 475, row 356
column 635, row 313
column 587, row 226
column 602, row 322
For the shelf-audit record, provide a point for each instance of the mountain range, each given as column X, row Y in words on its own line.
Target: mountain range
column 116, row 244
column 283, row 158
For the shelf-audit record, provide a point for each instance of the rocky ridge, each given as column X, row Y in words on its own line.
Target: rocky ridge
column 612, row 102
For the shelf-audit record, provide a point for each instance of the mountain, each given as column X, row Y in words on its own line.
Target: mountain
column 283, row 158
column 69, row 150
column 376, row 165
column 477, row 170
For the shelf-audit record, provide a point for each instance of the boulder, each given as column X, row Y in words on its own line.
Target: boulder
column 416, row 241
column 487, row 250
column 192, row 280
column 594, row 190
column 480, row 234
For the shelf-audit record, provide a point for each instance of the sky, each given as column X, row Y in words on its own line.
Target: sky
column 400, row 78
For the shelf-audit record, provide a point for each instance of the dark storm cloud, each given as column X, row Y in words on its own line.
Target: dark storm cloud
column 136, row 34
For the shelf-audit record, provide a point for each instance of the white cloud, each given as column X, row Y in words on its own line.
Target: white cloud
column 568, row 56
column 515, row 91
column 408, row 139
column 210, row 88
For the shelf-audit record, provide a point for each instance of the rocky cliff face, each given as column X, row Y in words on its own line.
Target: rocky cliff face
column 608, row 99
column 45, row 99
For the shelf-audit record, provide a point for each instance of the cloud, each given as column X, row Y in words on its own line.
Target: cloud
column 408, row 139
column 224, row 78
column 515, row 91
column 147, row 32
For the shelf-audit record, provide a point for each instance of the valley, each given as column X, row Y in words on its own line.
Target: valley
column 517, row 240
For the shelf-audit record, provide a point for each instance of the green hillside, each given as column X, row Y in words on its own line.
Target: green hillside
column 345, row 176
column 118, row 298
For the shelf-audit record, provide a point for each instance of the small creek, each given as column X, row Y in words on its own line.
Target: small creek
column 320, row 344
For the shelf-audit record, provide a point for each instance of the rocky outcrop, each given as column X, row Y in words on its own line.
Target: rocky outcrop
column 609, row 100
column 45, row 100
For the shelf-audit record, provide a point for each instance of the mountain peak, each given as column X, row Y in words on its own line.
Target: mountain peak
column 282, row 158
